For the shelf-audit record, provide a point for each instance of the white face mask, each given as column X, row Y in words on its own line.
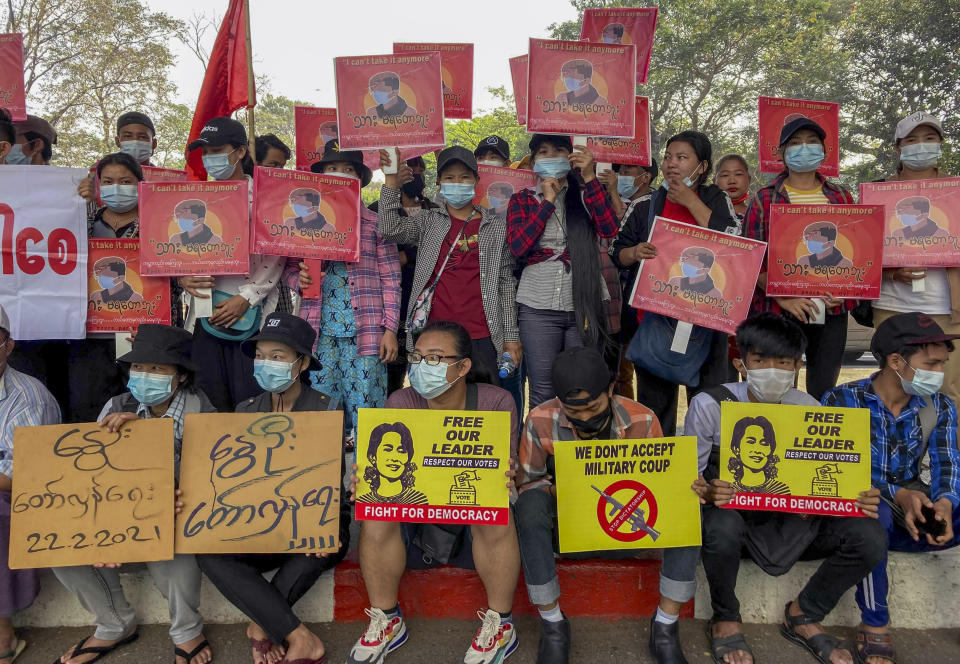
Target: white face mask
column 490, row 162
column 769, row 385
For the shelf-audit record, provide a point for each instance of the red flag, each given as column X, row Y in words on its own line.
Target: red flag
column 225, row 84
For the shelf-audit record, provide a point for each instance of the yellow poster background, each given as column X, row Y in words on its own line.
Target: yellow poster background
column 648, row 503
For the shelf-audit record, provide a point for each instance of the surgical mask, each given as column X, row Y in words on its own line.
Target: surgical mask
column 814, row 246
column 139, row 150
column 186, row 225
column 627, row 186
column 491, row 162
column 803, row 158
column 119, row 197
column 414, row 188
column 924, row 384
column 551, row 167
column 916, row 156
column 690, row 271
column 381, row 97
column 609, row 40
column 301, row 210
column 689, row 181
column 274, row 376
column 573, row 84
column 592, row 425
column 909, row 219
column 769, row 385
column 150, row 389
column 16, row 157
column 106, row 283
column 497, row 202
column 218, row 165
column 430, row 381
column 457, row 194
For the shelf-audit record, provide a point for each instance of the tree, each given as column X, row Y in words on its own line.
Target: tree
column 501, row 120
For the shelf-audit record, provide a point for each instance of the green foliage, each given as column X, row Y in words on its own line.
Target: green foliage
column 501, row 120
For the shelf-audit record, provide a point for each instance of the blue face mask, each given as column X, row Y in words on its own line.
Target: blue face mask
column 301, row 210
column 218, row 165
column 106, row 283
column 551, row 167
column 187, row 225
column 609, row 40
column 690, row 271
column 815, row 246
column 381, row 97
column 803, row 158
column 275, row 376
column 626, row 186
column 497, row 202
column 924, row 384
column 430, row 381
column 16, row 157
column 150, row 389
column 139, row 150
column 573, row 84
column 457, row 194
column 916, row 156
column 909, row 219
column 119, row 197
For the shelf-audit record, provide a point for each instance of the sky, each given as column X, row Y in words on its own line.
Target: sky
column 295, row 41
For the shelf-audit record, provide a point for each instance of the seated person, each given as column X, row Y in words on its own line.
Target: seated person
column 915, row 456
column 442, row 377
column 584, row 409
column 282, row 360
column 771, row 348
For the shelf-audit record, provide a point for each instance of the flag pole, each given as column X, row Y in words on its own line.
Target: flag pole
column 251, row 85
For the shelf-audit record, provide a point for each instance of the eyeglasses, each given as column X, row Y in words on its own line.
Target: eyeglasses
column 432, row 360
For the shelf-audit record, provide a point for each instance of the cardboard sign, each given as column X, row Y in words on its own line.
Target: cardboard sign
column 194, row 228
column 13, row 96
column 120, row 299
column 456, row 66
column 433, row 466
column 389, row 100
column 922, row 221
column 775, row 113
column 635, row 151
column 581, row 88
column 518, row 75
column 820, row 250
column 498, row 184
column 154, row 174
column 699, row 276
column 801, row 459
column 261, row 483
column 627, row 494
column 633, row 25
column 82, row 495
column 306, row 215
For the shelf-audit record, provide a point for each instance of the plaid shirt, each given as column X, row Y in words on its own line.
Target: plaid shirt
column 427, row 229
column 756, row 225
column 374, row 288
column 546, row 424
column 896, row 443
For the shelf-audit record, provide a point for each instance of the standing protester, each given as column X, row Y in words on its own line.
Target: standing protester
column 34, row 143
column 802, row 151
column 24, row 402
column 733, row 176
column 493, row 151
column 270, row 152
column 553, row 233
column 136, row 136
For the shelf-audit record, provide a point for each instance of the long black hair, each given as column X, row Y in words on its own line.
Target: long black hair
column 701, row 147
column 462, row 346
column 371, row 474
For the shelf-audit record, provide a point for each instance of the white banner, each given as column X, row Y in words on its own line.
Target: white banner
column 43, row 252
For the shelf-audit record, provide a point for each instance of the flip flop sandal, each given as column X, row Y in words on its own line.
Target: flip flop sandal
column 188, row 656
column 724, row 645
column 99, row 651
column 871, row 644
column 16, row 652
column 820, row 646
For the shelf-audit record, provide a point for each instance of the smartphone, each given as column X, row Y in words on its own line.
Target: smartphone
column 931, row 525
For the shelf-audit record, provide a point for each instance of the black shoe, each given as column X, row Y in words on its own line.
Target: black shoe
column 665, row 643
column 554, row 642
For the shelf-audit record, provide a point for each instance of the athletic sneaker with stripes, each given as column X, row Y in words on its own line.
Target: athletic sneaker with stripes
column 495, row 641
column 384, row 634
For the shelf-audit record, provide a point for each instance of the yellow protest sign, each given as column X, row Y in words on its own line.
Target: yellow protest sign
column 433, row 466
column 802, row 459
column 261, row 483
column 627, row 494
column 82, row 495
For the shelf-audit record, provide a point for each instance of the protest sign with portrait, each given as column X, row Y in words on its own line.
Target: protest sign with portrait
column 635, row 151
column 801, row 459
column 623, row 25
column 13, row 96
column 120, row 298
column 456, row 66
column 776, row 112
column 433, row 466
column 497, row 184
column 518, row 76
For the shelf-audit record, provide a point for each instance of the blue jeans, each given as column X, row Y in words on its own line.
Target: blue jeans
column 514, row 385
column 544, row 333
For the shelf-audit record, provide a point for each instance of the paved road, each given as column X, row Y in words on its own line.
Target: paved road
column 596, row 642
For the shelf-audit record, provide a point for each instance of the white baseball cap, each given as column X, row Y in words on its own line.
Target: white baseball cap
column 913, row 121
column 4, row 320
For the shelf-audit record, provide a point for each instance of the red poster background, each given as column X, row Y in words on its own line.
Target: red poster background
column 734, row 273
column 549, row 106
column 941, row 247
column 505, row 179
column 227, row 216
column 456, row 66
column 639, row 25
column 634, row 150
column 772, row 116
column 420, row 88
column 274, row 231
column 13, row 97
column 859, row 239
column 149, row 304
column 155, row 174
column 518, row 74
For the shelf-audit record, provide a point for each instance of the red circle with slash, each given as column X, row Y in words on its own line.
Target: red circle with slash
column 639, row 494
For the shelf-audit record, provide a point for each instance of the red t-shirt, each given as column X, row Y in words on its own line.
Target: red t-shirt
column 458, row 297
column 677, row 212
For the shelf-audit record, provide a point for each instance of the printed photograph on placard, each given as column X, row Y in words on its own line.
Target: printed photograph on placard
column 120, row 298
column 623, row 25
column 497, row 184
column 456, row 66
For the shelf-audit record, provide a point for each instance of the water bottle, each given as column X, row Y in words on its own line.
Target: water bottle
column 507, row 365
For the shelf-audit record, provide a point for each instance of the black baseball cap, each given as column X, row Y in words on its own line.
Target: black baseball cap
column 557, row 141
column 796, row 125
column 456, row 153
column 135, row 117
column 580, row 369
column 331, row 153
column 220, row 131
column 495, row 143
column 161, row 344
column 911, row 329
column 286, row 329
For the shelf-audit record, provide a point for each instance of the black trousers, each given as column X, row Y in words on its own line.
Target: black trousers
column 224, row 373
column 485, row 358
column 825, row 345
column 850, row 549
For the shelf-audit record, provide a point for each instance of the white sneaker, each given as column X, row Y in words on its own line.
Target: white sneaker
column 495, row 640
column 383, row 636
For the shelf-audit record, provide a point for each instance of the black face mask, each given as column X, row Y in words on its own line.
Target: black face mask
column 594, row 425
column 414, row 188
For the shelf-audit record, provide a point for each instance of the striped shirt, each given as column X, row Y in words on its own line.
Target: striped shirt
column 24, row 402
column 806, row 196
